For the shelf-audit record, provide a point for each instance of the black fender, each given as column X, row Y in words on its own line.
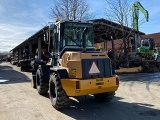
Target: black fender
column 44, row 71
column 62, row 72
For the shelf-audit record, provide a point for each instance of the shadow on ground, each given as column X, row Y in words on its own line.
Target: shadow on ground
column 146, row 78
column 89, row 109
column 86, row 108
column 10, row 76
column 142, row 77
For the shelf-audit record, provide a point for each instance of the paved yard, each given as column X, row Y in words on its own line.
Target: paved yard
column 138, row 98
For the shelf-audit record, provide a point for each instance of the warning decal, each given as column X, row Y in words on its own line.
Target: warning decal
column 94, row 69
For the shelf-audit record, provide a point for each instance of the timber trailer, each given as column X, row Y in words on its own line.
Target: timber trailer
column 25, row 61
column 76, row 68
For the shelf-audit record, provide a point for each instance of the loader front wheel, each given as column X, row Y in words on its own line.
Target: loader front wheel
column 41, row 85
column 58, row 96
column 102, row 97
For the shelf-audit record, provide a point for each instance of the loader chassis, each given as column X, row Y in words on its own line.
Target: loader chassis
column 77, row 69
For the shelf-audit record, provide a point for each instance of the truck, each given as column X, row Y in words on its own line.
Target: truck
column 15, row 59
column 75, row 67
column 25, row 62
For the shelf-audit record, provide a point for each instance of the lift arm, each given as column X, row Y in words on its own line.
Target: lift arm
column 136, row 7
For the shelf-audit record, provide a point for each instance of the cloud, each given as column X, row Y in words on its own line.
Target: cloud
column 13, row 34
column 20, row 20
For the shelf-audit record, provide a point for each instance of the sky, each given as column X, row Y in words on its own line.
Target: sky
column 19, row 19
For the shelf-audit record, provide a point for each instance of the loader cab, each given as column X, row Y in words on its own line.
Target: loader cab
column 72, row 36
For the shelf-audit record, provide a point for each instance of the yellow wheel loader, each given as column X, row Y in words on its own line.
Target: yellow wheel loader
column 76, row 69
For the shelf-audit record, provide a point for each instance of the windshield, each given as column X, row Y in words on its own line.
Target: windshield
column 73, row 32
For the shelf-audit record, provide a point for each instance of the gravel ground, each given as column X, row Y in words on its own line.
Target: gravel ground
column 138, row 98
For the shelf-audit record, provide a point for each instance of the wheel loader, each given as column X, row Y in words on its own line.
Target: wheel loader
column 76, row 68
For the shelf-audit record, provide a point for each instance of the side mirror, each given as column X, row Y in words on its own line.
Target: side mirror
column 53, row 27
column 46, row 37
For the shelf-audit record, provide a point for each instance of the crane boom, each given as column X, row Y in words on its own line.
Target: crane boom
column 136, row 7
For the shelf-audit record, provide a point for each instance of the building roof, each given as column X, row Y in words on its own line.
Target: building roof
column 104, row 29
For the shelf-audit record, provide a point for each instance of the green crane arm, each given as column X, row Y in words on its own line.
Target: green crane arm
column 136, row 7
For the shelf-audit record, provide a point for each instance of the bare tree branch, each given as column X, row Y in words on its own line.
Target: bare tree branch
column 119, row 11
column 71, row 10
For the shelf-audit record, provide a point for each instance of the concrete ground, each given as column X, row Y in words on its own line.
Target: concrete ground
column 138, row 98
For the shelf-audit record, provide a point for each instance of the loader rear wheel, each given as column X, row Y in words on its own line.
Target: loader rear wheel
column 41, row 85
column 102, row 97
column 58, row 96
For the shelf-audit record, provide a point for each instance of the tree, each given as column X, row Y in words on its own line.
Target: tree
column 119, row 11
column 71, row 10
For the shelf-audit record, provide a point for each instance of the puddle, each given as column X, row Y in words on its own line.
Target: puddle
column 2, row 80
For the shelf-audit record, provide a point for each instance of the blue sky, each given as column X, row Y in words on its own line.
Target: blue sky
column 22, row 18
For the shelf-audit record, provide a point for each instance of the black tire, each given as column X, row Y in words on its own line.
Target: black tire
column 18, row 64
column 22, row 69
column 58, row 96
column 102, row 97
column 41, row 84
